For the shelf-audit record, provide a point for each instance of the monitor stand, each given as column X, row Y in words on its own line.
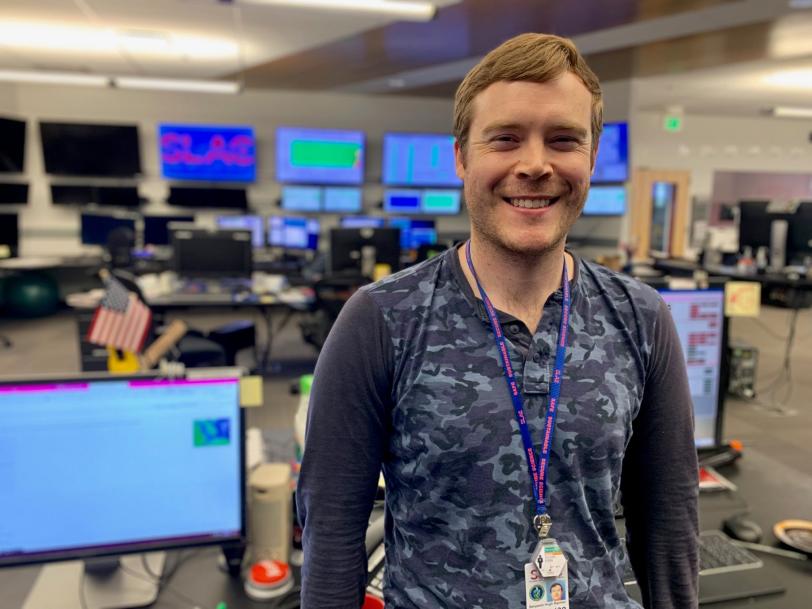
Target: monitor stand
column 57, row 584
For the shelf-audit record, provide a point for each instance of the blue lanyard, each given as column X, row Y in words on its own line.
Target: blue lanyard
column 538, row 470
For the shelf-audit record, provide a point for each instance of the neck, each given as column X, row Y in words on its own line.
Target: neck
column 518, row 284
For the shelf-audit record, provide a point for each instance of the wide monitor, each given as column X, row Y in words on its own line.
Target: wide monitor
column 213, row 198
column 402, row 201
column 252, row 223
column 357, row 250
column 211, row 153
column 605, row 201
column 414, row 232
column 293, row 233
column 200, row 252
column 96, row 228
column 12, row 145
column 342, row 200
column 9, row 235
column 419, row 159
column 699, row 316
column 90, row 150
column 156, row 228
column 362, row 222
column 13, row 193
column 755, row 223
column 799, row 242
column 106, row 196
column 441, row 202
column 107, row 467
column 612, row 162
column 301, row 198
column 319, row 156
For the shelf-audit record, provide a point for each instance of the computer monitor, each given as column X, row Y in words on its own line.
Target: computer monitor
column 319, row 156
column 76, row 149
column 293, row 233
column 95, row 228
column 301, row 198
column 612, row 162
column 414, row 232
column 362, row 222
column 252, row 223
column 12, row 145
column 156, row 228
column 799, row 246
column 353, row 249
column 754, row 224
column 699, row 316
column 9, row 235
column 111, row 466
column 200, row 252
column 342, row 200
column 217, row 198
column 419, row 159
column 13, row 193
column 402, row 201
column 210, row 153
column 605, row 201
column 441, row 202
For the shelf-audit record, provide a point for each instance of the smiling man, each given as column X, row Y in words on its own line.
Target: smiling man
column 510, row 390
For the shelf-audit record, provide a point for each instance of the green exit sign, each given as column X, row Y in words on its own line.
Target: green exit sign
column 672, row 123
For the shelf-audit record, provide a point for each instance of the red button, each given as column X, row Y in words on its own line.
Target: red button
column 269, row 572
column 372, row 602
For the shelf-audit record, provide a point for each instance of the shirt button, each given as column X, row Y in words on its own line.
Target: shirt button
column 514, row 329
column 536, row 357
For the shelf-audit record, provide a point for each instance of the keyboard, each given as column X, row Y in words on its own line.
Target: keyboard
column 376, row 571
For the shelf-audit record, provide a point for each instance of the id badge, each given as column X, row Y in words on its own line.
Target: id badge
column 547, row 588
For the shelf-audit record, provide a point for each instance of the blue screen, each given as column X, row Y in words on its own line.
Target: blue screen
column 338, row 200
column 612, row 163
column 102, row 464
column 252, row 223
column 416, row 159
column 362, row 222
column 401, row 201
column 96, row 228
column 301, row 198
column 414, row 233
column 209, row 153
column 605, row 201
column 440, row 202
column 319, row 156
column 293, row 232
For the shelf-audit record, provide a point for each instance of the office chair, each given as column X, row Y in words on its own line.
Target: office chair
column 331, row 293
column 120, row 244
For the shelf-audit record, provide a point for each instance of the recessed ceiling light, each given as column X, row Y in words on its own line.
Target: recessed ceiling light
column 791, row 79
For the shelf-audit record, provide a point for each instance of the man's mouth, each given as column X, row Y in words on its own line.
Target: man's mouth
column 531, row 202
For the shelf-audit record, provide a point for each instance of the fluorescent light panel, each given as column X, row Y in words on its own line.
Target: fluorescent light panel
column 790, row 112
column 412, row 11
column 173, row 84
column 791, row 79
column 54, row 78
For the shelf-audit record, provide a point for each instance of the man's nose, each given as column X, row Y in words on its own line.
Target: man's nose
column 534, row 161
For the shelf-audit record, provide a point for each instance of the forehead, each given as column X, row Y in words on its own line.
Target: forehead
column 563, row 99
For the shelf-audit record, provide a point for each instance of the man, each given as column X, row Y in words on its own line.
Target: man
column 444, row 373
column 556, row 592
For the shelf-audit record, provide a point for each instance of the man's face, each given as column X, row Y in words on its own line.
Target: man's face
column 556, row 592
column 527, row 164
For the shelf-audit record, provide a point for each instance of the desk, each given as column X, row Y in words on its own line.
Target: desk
column 774, row 492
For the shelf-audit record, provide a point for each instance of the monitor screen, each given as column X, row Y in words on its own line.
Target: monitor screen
column 319, row 156
column 612, row 162
column 402, row 201
column 200, row 252
column 12, row 145
column 349, row 247
column 419, row 159
column 799, row 240
column 115, row 466
column 362, row 222
column 212, row 153
column 13, row 193
column 156, row 228
column 252, row 223
column 301, row 198
column 9, row 235
column 217, row 198
column 441, row 202
column 699, row 318
column 414, row 233
column 293, row 233
column 342, row 200
column 90, row 150
column 95, row 228
column 605, row 201
column 108, row 196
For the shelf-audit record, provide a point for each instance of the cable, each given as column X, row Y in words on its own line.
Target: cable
column 784, row 376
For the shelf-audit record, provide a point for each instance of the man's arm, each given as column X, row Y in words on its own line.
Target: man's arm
column 659, row 482
column 348, row 421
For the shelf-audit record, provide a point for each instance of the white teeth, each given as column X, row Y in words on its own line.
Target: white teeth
column 530, row 203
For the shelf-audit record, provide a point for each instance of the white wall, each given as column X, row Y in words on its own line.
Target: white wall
column 47, row 228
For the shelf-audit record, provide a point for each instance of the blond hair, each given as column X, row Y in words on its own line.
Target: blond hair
column 527, row 57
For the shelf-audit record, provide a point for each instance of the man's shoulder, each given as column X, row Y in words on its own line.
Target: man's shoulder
column 405, row 283
column 619, row 285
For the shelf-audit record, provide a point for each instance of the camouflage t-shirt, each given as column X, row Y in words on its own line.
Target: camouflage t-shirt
column 409, row 380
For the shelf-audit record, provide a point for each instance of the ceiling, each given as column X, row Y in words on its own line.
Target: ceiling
column 704, row 55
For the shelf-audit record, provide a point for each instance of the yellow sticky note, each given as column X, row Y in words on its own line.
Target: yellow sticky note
column 251, row 391
column 742, row 298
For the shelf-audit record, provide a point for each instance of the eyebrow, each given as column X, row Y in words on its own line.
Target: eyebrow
column 512, row 126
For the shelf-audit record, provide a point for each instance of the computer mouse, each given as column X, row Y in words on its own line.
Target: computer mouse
column 742, row 528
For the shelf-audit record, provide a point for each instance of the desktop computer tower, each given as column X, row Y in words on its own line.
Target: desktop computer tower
column 743, row 360
column 778, row 244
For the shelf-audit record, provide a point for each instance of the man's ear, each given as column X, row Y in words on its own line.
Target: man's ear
column 459, row 160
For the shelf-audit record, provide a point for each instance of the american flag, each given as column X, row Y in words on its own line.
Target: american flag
column 121, row 321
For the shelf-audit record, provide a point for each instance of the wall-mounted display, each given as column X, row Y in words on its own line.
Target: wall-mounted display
column 213, row 153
